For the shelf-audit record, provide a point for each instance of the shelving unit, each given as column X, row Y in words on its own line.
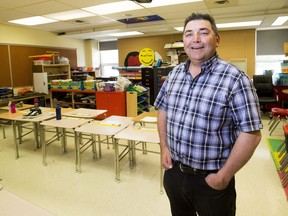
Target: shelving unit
column 176, row 53
column 73, row 98
column 132, row 73
column 81, row 75
column 54, row 71
column 137, row 102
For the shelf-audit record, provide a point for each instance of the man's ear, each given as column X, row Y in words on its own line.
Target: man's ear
column 217, row 41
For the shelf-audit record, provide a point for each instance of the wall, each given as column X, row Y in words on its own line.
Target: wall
column 28, row 36
column 17, row 43
column 233, row 44
column 239, row 44
column 156, row 43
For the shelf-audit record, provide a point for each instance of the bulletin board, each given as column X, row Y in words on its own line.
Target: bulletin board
column 5, row 79
column 21, row 64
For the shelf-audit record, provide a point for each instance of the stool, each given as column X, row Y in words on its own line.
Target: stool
column 277, row 114
column 283, row 149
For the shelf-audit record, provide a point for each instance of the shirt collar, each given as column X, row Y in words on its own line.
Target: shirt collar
column 205, row 65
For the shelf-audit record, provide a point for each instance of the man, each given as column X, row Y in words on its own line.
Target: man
column 209, row 125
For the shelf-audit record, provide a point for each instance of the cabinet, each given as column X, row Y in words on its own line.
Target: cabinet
column 154, row 79
column 73, row 98
column 43, row 74
column 114, row 102
column 137, row 102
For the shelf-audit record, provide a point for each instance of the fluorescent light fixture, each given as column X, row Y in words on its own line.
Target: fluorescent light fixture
column 31, row 21
column 159, row 3
column 68, row 15
column 239, row 24
column 126, row 33
column 230, row 25
column 280, row 21
column 114, row 7
column 179, row 29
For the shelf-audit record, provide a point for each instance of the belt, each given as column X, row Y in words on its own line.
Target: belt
column 192, row 171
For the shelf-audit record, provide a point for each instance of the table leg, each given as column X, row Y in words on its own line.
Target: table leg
column 117, row 162
column 99, row 145
column 36, row 138
column 77, row 151
column 15, row 138
column 94, row 147
column 43, row 143
column 64, row 140
column 19, row 127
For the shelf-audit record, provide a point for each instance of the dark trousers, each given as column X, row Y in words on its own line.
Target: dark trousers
column 190, row 194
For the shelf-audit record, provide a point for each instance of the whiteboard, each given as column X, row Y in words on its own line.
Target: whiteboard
column 241, row 63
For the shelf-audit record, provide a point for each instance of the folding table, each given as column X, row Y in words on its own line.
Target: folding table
column 107, row 127
column 135, row 135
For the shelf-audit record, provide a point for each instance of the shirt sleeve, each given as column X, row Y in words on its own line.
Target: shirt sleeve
column 245, row 106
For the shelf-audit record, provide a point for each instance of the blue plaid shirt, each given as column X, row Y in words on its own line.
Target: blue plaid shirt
column 206, row 114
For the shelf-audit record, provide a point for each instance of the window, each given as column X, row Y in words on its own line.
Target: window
column 108, row 59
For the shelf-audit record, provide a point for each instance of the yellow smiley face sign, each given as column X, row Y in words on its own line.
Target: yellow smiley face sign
column 146, row 56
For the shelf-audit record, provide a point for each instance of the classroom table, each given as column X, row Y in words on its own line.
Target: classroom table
column 146, row 117
column 20, row 118
column 4, row 109
column 23, row 107
column 107, row 127
column 70, row 120
column 63, row 124
column 85, row 113
column 134, row 135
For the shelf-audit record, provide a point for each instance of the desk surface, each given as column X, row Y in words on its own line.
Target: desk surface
column 109, row 126
column 142, row 134
column 85, row 113
column 66, row 122
column 146, row 117
column 18, row 116
column 25, row 106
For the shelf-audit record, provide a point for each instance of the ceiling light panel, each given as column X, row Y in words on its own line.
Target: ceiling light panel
column 280, row 21
column 121, row 34
column 31, row 21
column 68, row 15
column 114, row 7
column 239, row 24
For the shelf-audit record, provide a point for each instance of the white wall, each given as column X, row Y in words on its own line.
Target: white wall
column 29, row 36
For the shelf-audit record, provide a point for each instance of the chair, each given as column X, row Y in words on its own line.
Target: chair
column 276, row 115
column 283, row 156
column 265, row 91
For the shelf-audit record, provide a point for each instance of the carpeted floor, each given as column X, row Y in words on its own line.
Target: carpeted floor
column 273, row 145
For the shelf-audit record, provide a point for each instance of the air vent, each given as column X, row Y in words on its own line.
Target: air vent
column 221, row 2
column 79, row 21
column 143, row 1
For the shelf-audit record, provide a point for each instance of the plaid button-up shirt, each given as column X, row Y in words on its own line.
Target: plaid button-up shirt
column 206, row 114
